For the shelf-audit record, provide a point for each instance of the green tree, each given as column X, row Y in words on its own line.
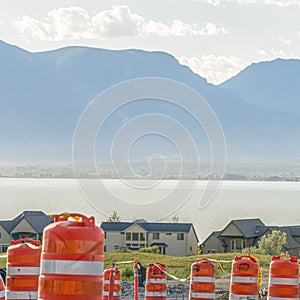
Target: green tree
column 273, row 242
column 114, row 217
column 175, row 219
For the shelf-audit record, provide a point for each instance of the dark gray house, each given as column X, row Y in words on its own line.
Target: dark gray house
column 243, row 233
column 28, row 224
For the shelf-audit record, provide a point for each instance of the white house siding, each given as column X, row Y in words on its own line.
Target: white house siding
column 113, row 240
column 192, row 244
column 24, row 226
column 212, row 245
column 175, row 247
column 4, row 239
column 135, row 229
column 231, row 230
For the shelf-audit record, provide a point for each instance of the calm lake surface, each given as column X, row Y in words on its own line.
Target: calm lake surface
column 276, row 203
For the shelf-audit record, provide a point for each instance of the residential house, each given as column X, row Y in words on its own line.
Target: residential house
column 244, row 233
column 29, row 224
column 176, row 239
column 238, row 234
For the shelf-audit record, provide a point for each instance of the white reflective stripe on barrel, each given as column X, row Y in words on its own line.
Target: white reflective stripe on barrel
column 280, row 280
column 246, row 279
column 2, row 293
column 156, row 294
column 21, row 295
column 108, row 281
column 23, row 271
column 202, row 295
column 243, row 297
column 71, row 267
column 156, row 280
column 202, row 279
column 105, row 293
column 278, row 298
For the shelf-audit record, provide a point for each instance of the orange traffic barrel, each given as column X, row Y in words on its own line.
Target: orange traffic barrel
column 244, row 278
column 72, row 259
column 23, row 269
column 112, row 279
column 156, row 282
column 202, row 280
column 2, row 289
column 283, row 278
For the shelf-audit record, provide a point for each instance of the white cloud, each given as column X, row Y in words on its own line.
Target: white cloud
column 281, row 3
column 75, row 23
column 271, row 2
column 214, row 2
column 285, row 41
column 273, row 53
column 216, row 69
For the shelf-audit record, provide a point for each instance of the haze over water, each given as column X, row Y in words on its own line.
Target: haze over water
column 276, row 203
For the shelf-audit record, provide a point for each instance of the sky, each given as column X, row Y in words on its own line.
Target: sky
column 215, row 38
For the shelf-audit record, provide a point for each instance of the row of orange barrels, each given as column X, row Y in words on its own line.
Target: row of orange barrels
column 69, row 266
column 244, row 283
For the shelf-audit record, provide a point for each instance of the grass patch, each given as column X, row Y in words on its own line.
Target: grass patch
column 2, row 262
column 177, row 266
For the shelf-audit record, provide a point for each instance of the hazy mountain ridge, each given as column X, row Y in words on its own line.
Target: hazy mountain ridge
column 274, row 84
column 43, row 94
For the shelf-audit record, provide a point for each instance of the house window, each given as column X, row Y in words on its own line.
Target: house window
column 105, row 234
column 135, row 236
column 142, row 236
column 238, row 244
column 104, row 248
column 4, row 248
column 180, row 236
column 142, row 245
column 168, row 233
column 155, row 236
column 135, row 245
column 128, row 236
column 116, row 247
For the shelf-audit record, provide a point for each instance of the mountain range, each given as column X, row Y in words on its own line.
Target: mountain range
column 43, row 94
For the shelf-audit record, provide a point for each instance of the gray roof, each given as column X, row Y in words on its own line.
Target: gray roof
column 295, row 230
column 7, row 225
column 37, row 219
column 248, row 227
column 150, row 227
column 166, row 227
column 115, row 226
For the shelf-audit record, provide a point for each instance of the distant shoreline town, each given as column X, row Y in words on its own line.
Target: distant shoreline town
column 57, row 172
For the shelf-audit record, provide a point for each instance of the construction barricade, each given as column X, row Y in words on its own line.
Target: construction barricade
column 23, row 269
column 112, row 283
column 244, row 278
column 156, row 282
column 283, row 278
column 72, row 259
column 2, row 289
column 202, row 280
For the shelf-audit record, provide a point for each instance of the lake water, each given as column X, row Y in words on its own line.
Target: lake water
column 276, row 203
